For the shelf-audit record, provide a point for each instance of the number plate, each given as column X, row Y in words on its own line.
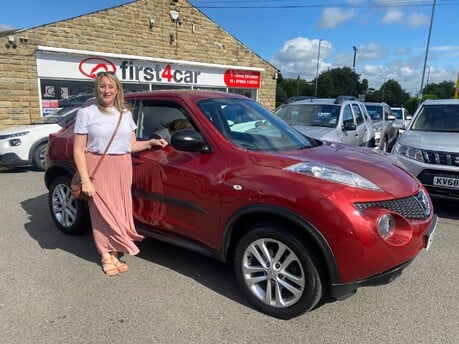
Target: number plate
column 430, row 234
column 451, row 183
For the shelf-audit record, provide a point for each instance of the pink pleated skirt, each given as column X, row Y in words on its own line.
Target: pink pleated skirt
column 111, row 208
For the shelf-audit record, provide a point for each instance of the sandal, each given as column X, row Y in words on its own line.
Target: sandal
column 108, row 267
column 120, row 266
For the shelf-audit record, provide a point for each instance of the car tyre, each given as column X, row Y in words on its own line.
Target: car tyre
column 38, row 157
column 277, row 272
column 70, row 215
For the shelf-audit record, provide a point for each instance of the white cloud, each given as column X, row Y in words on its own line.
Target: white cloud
column 371, row 52
column 334, row 16
column 393, row 16
column 418, row 19
column 299, row 57
column 374, row 62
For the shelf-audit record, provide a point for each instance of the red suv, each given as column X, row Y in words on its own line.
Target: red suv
column 300, row 219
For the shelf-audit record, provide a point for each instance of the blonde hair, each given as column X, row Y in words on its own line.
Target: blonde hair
column 120, row 104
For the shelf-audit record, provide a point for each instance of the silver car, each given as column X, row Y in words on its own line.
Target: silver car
column 429, row 147
column 339, row 120
column 401, row 115
column 383, row 118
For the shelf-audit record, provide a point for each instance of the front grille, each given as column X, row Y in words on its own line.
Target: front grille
column 441, row 158
column 414, row 207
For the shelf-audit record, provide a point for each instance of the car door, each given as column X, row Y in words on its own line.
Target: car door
column 350, row 135
column 362, row 131
column 391, row 131
column 173, row 191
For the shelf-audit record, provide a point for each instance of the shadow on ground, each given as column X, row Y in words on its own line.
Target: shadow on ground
column 215, row 275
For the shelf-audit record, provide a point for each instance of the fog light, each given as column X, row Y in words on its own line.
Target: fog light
column 386, row 225
column 15, row 142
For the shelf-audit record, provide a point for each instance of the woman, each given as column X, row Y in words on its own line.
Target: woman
column 110, row 199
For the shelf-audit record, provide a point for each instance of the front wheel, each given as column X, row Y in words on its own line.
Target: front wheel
column 70, row 215
column 277, row 272
column 38, row 157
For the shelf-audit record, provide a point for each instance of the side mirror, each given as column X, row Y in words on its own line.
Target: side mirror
column 189, row 140
column 391, row 118
column 349, row 126
column 398, row 125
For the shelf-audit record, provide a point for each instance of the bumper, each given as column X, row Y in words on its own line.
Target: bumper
column 343, row 291
column 12, row 160
column 426, row 173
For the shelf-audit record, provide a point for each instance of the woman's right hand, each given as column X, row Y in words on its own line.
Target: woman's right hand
column 88, row 188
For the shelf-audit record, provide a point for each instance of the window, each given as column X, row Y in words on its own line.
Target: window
column 347, row 115
column 358, row 114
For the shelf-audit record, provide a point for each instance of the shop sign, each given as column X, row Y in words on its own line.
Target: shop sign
column 67, row 66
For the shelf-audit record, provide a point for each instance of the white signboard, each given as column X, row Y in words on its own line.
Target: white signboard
column 84, row 67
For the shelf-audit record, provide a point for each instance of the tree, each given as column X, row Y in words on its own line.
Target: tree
column 443, row 90
column 390, row 92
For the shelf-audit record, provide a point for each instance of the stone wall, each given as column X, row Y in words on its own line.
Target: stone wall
column 122, row 30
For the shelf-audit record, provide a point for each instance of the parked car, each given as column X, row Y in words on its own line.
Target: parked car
column 383, row 118
column 402, row 116
column 299, row 219
column 429, row 147
column 25, row 145
column 339, row 120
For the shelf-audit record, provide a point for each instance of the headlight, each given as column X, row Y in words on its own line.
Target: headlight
column 386, row 225
column 332, row 174
column 409, row 152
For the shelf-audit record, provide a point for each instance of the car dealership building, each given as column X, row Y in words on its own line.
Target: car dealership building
column 149, row 44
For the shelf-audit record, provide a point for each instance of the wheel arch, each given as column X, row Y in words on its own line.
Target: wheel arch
column 247, row 217
column 34, row 146
column 57, row 169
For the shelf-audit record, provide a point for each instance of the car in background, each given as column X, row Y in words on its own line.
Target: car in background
column 402, row 116
column 382, row 119
column 299, row 219
column 25, row 145
column 341, row 120
column 429, row 147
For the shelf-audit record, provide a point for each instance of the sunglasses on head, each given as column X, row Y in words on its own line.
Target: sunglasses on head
column 105, row 73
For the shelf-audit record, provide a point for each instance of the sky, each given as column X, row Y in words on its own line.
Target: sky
column 387, row 39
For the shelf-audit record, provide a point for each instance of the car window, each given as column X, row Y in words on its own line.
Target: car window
column 398, row 113
column 358, row 114
column 347, row 115
column 387, row 113
column 375, row 112
column 310, row 114
column 157, row 119
column 438, row 118
column 249, row 125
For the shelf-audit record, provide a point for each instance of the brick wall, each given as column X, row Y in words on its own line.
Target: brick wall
column 122, row 30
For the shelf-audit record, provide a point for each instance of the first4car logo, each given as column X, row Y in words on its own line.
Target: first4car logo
column 91, row 66
column 127, row 71
column 169, row 73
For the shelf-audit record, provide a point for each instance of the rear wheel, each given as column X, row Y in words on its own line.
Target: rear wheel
column 277, row 272
column 38, row 157
column 70, row 215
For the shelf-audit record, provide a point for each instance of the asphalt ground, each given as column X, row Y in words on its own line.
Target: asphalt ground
column 52, row 290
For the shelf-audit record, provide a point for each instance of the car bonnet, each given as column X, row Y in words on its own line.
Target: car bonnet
column 429, row 140
column 372, row 165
